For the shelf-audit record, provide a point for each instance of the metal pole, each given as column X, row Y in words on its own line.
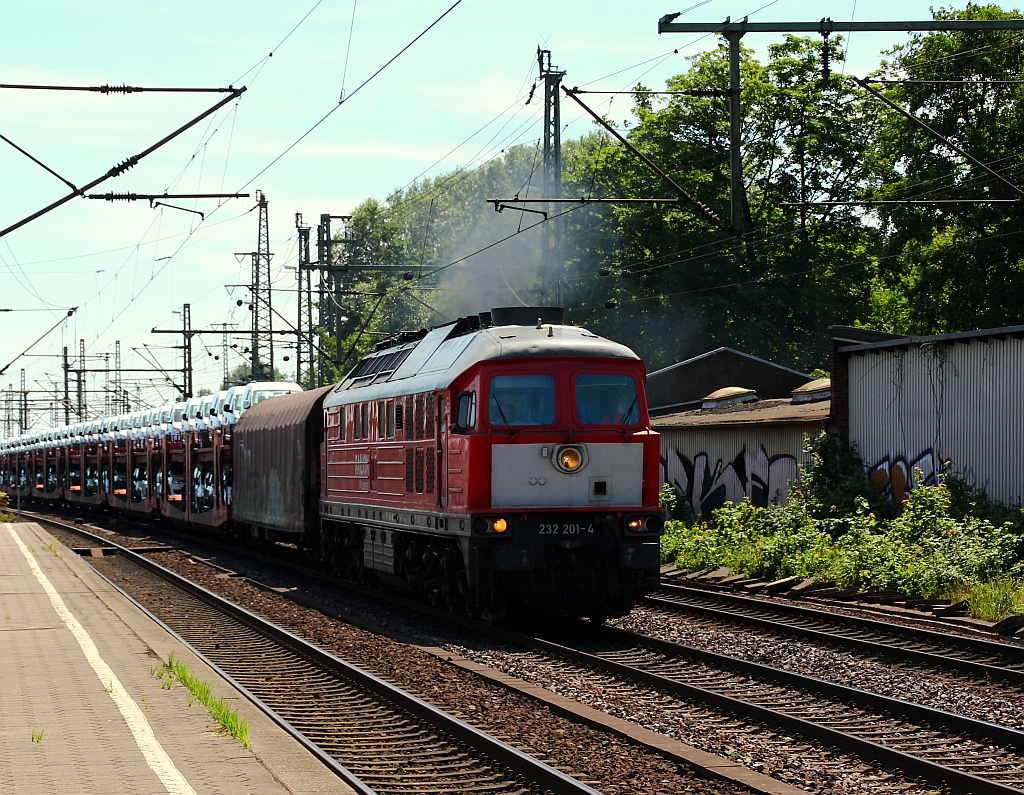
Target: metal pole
column 735, row 153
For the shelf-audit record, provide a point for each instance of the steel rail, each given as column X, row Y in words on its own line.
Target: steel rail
column 909, row 763
column 795, row 620
column 866, row 748
column 502, row 754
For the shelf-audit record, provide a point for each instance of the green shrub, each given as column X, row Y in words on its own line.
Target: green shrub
column 942, row 541
column 834, row 482
column 924, row 550
column 5, row 501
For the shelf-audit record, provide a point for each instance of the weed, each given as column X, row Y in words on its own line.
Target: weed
column 945, row 539
column 37, row 737
column 229, row 719
column 108, row 687
column 51, row 547
column 993, row 600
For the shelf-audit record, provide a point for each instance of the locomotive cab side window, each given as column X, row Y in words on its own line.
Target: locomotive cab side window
column 606, row 399
column 521, row 400
column 466, row 418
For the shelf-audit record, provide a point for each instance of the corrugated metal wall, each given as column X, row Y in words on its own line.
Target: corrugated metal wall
column 710, row 465
column 959, row 400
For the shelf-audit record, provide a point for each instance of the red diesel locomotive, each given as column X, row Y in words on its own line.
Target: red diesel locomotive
column 500, row 462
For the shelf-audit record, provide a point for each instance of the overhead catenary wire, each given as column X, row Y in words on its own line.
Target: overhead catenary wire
column 161, row 267
column 259, row 66
column 355, row 91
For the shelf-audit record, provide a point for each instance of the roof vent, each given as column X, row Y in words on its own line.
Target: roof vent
column 813, row 391
column 526, row 315
column 727, row 396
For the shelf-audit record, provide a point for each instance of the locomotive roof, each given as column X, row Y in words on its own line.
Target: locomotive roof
column 434, row 361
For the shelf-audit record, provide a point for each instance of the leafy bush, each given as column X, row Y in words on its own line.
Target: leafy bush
column 668, row 499
column 834, row 482
column 934, row 546
column 5, row 501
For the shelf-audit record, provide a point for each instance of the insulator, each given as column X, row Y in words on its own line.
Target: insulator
column 826, row 71
column 122, row 167
column 121, row 197
column 123, row 89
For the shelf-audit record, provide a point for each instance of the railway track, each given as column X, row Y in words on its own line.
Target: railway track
column 578, row 750
column 379, row 738
column 986, row 660
column 941, row 748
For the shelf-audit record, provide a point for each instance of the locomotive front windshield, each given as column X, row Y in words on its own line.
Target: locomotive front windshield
column 521, row 400
column 606, row 399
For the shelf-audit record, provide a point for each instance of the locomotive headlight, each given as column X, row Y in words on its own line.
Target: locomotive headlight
column 485, row 525
column 569, row 458
column 651, row 523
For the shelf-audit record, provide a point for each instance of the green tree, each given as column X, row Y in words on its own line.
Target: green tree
column 679, row 284
column 953, row 267
column 242, row 374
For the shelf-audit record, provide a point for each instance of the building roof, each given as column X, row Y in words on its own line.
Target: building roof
column 965, row 337
column 685, row 384
column 778, row 411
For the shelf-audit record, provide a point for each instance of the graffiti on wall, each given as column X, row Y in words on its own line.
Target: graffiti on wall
column 755, row 475
column 895, row 474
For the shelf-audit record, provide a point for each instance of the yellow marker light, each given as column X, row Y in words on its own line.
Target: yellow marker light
column 499, row 526
column 636, row 523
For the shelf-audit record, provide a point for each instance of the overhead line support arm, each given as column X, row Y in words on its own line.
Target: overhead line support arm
column 938, row 136
column 131, row 161
column 702, row 209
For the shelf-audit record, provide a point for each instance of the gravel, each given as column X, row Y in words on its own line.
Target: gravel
column 949, row 692
column 611, row 764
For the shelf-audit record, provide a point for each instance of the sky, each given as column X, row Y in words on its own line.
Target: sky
column 344, row 101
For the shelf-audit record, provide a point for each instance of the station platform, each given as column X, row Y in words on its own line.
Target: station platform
column 81, row 712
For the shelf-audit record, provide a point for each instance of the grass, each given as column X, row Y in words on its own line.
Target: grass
column 992, row 601
column 228, row 718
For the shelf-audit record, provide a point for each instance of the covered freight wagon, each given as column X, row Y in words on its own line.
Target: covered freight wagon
column 276, row 480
